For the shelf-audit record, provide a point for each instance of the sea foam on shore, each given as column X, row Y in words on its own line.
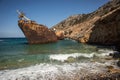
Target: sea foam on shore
column 63, row 57
column 49, row 71
column 55, row 72
column 65, row 71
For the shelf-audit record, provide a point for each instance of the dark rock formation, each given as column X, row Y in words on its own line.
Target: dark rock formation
column 118, row 63
column 115, row 55
column 117, row 47
column 101, row 26
column 36, row 33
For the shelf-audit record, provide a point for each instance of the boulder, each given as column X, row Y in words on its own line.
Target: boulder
column 60, row 34
column 118, row 63
column 115, row 55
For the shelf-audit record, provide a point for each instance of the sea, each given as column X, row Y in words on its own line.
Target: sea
column 22, row 61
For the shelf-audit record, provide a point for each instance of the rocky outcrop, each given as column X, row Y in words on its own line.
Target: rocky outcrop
column 101, row 26
column 36, row 33
column 60, row 35
column 106, row 30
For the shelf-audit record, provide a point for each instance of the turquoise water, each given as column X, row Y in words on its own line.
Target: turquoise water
column 15, row 52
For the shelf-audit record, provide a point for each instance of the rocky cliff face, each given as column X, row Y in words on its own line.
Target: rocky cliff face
column 101, row 26
column 36, row 33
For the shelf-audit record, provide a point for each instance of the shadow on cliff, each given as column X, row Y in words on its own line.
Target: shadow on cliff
column 106, row 30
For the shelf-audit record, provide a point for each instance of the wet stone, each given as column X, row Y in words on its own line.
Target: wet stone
column 118, row 63
column 115, row 55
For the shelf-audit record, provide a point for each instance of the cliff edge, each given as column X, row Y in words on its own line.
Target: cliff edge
column 101, row 26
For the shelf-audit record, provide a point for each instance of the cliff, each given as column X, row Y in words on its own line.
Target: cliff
column 101, row 26
column 36, row 33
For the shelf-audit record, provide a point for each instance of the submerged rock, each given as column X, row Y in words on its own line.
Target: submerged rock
column 36, row 33
column 115, row 55
column 118, row 63
column 117, row 47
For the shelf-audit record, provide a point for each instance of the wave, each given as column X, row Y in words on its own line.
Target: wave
column 73, row 71
column 104, row 52
column 63, row 57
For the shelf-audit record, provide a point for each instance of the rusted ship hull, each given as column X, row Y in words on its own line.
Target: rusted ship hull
column 36, row 33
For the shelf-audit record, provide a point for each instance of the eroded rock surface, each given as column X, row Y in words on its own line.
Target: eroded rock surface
column 101, row 26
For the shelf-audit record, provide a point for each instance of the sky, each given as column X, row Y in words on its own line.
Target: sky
column 46, row 12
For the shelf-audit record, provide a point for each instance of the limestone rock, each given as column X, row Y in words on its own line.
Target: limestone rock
column 101, row 26
column 36, row 33
column 60, row 34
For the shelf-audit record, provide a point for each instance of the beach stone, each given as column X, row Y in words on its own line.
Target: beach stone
column 118, row 63
column 116, row 55
column 110, row 54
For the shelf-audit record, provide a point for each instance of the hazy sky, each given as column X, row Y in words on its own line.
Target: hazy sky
column 47, row 12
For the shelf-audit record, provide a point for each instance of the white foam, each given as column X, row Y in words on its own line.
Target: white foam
column 59, row 72
column 63, row 57
column 20, row 60
column 54, row 72
column 105, row 52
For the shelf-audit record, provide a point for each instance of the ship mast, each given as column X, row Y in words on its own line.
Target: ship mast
column 22, row 16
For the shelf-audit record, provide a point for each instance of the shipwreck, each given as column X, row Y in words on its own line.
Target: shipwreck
column 35, row 33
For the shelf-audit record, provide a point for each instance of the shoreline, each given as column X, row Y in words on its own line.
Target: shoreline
column 72, row 71
column 98, row 65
